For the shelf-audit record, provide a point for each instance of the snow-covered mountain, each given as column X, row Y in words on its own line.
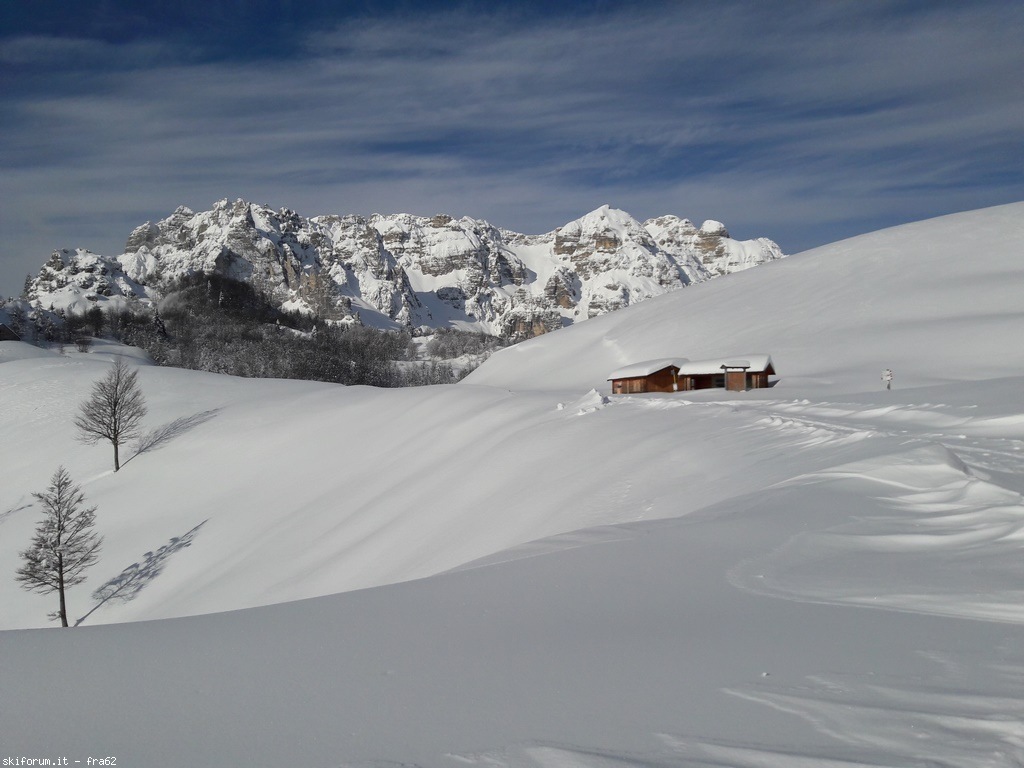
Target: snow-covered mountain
column 832, row 317
column 409, row 271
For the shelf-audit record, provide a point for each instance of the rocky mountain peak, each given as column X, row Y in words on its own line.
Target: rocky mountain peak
column 402, row 270
column 712, row 227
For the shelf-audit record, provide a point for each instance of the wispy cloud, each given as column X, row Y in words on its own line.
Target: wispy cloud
column 803, row 123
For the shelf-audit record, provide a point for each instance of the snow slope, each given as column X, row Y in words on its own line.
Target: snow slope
column 303, row 489
column 832, row 318
column 819, row 574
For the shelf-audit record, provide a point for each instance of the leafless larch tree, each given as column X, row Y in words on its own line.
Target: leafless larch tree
column 114, row 410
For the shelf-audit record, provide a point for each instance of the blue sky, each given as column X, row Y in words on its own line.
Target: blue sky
column 805, row 122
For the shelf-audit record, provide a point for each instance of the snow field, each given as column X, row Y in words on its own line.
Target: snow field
column 521, row 571
column 274, row 473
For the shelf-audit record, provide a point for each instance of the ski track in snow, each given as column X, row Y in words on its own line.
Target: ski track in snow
column 947, row 508
column 937, row 502
column 946, row 502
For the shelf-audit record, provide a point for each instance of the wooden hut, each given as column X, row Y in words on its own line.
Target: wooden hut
column 7, row 333
column 733, row 374
column 650, row 376
column 682, row 375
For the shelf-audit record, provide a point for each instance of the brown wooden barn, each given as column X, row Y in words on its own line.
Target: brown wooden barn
column 649, row 376
column 682, row 375
column 7, row 333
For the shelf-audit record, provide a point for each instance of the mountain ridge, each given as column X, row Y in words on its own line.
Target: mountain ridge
column 404, row 271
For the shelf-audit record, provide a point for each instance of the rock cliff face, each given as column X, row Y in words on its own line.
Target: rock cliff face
column 710, row 244
column 399, row 270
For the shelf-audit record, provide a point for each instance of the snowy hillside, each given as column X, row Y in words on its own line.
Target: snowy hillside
column 936, row 301
column 819, row 574
column 393, row 271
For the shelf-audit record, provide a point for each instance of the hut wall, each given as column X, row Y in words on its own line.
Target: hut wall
column 629, row 386
column 703, row 381
column 662, row 381
column 735, row 381
column 659, row 381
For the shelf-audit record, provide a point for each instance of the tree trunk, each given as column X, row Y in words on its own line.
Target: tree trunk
column 117, row 463
column 60, row 590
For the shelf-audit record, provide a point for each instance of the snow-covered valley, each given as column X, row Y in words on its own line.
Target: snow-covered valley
column 520, row 570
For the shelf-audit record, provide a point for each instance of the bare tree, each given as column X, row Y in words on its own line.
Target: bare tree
column 63, row 545
column 114, row 410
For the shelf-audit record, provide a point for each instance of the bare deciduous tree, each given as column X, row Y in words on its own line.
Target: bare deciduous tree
column 114, row 410
column 63, row 545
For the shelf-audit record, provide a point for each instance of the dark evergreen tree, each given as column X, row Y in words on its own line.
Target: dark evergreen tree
column 211, row 323
column 17, row 315
column 96, row 320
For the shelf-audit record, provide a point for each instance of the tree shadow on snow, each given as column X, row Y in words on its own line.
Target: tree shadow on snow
column 126, row 585
column 13, row 510
column 160, row 436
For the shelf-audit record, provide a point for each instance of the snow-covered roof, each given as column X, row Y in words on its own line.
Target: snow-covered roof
column 755, row 363
column 645, row 368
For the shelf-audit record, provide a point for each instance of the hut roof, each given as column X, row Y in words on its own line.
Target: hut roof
column 756, row 363
column 646, row 368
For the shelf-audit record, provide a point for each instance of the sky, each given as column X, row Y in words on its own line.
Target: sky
column 803, row 122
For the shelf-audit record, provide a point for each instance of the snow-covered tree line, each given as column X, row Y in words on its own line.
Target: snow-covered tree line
column 210, row 323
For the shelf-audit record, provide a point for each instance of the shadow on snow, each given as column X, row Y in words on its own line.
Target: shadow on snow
column 126, row 585
column 158, row 437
